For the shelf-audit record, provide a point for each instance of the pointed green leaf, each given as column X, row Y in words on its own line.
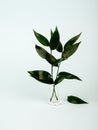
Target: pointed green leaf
column 70, row 50
column 65, row 75
column 43, row 40
column 58, row 79
column 51, row 33
column 42, row 76
column 75, row 100
column 54, row 41
column 44, row 54
column 72, row 41
column 59, row 47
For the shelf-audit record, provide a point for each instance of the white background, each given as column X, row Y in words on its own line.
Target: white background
column 23, row 100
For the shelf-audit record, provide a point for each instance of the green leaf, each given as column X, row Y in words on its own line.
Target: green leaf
column 43, row 40
column 54, row 40
column 75, row 100
column 72, row 41
column 65, row 75
column 59, row 47
column 42, row 76
column 70, row 50
column 51, row 33
column 44, row 54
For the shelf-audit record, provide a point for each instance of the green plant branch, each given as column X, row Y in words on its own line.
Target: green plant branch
column 66, row 51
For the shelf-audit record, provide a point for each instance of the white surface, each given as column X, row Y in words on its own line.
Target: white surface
column 29, row 115
column 24, row 101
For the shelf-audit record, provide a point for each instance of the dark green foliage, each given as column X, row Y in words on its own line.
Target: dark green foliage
column 69, row 50
column 42, row 76
column 43, row 40
column 55, row 39
column 65, row 52
column 59, row 47
column 65, row 75
column 75, row 100
column 44, row 54
column 70, row 47
column 72, row 40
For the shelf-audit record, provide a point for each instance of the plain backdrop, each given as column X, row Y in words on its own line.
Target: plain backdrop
column 23, row 100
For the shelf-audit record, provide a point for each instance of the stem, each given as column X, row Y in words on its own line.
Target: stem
column 55, row 93
column 52, row 95
column 54, row 90
column 58, row 70
column 51, row 65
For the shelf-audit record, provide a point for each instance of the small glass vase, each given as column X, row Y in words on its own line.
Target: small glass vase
column 54, row 99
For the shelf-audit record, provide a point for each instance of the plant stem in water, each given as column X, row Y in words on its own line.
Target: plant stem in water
column 54, row 90
column 54, row 93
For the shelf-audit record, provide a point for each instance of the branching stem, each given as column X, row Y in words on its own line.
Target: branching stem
column 54, row 90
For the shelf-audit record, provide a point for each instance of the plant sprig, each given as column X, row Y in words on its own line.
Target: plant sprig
column 66, row 51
